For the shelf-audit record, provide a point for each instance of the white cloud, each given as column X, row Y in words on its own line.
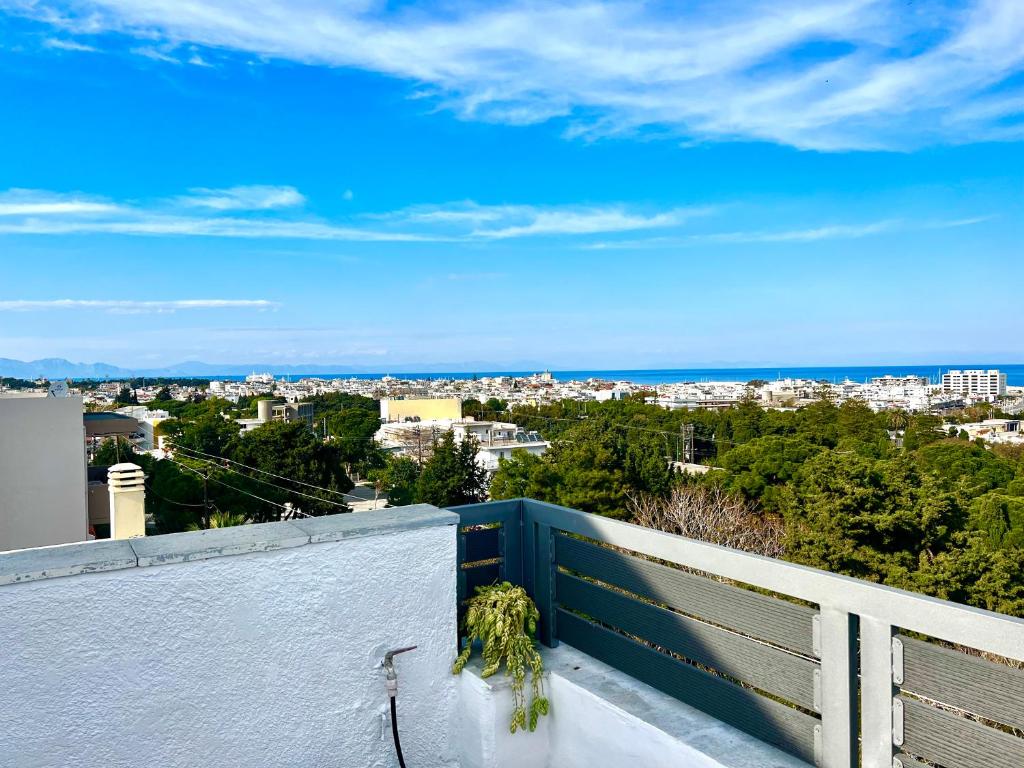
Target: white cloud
column 805, row 235
column 499, row 222
column 68, row 45
column 831, row 232
column 39, row 213
column 134, row 307
column 31, row 202
column 154, row 54
column 256, row 197
column 834, row 74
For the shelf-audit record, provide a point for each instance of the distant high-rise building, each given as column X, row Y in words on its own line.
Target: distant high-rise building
column 990, row 383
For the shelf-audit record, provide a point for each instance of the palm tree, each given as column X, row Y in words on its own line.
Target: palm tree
column 898, row 420
column 219, row 519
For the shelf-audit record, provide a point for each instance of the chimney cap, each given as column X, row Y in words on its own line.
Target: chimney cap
column 124, row 467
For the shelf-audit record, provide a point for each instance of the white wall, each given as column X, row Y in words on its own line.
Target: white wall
column 42, row 472
column 599, row 718
column 258, row 659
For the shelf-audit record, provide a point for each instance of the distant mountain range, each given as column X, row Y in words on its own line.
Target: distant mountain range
column 59, row 368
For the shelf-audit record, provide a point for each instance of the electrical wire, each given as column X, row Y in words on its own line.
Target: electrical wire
column 213, row 463
column 233, row 488
column 211, row 457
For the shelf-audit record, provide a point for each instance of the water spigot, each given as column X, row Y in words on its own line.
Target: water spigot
column 391, row 677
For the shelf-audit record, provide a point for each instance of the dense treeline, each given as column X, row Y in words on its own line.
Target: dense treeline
column 937, row 514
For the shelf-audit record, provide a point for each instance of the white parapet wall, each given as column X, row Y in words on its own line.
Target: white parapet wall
column 251, row 646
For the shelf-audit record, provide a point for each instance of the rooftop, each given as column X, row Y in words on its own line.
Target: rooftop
column 261, row 645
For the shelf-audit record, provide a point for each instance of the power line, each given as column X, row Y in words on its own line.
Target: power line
column 228, row 485
column 210, row 457
column 274, row 485
column 149, row 486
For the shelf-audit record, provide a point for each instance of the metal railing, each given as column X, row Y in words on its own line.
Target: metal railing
column 829, row 668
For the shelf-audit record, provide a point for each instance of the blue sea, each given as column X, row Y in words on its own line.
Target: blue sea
column 1014, row 373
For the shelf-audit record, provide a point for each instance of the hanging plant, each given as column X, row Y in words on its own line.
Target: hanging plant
column 504, row 619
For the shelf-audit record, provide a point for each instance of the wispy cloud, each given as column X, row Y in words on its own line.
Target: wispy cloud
column 257, row 197
column 30, row 202
column 812, row 234
column 117, row 306
column 803, row 235
column 35, row 212
column 500, row 222
column 149, row 52
column 68, row 45
column 830, row 75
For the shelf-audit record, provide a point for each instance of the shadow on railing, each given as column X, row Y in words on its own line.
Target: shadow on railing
column 837, row 685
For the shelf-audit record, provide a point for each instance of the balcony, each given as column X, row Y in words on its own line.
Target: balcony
column 261, row 645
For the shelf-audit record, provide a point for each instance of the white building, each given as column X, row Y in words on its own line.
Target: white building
column 989, row 384
column 148, row 420
column 497, row 439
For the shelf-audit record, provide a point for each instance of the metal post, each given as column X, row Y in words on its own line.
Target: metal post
column 544, row 595
column 838, row 651
column 877, row 691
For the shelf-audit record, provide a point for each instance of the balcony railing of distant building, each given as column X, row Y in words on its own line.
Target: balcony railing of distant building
column 837, row 671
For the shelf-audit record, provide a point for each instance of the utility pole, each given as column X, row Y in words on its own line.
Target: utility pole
column 687, row 431
column 206, row 500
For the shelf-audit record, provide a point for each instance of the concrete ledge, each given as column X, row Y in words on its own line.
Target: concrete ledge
column 374, row 522
column 65, row 560
column 217, row 542
column 106, row 555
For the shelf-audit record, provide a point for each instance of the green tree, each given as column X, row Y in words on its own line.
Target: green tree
column 452, row 476
column 761, row 469
column 867, row 518
column 209, row 434
column 1000, row 518
column 924, row 428
column 126, row 397
column 396, row 479
column 113, row 450
column 291, row 450
column 525, row 475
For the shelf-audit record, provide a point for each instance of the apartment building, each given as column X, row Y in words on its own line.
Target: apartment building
column 989, row 384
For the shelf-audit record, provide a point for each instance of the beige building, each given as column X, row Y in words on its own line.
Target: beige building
column 42, row 472
column 420, row 409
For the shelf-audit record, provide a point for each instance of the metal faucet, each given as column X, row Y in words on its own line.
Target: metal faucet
column 391, row 677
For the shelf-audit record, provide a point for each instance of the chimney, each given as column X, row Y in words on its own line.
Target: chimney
column 127, row 487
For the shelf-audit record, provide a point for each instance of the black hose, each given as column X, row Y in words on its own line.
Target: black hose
column 394, row 732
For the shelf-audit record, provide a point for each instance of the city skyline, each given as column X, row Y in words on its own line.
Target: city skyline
column 795, row 187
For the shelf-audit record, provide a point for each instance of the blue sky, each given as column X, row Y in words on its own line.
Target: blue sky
column 571, row 185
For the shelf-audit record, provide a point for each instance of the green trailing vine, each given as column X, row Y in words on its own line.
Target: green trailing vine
column 504, row 619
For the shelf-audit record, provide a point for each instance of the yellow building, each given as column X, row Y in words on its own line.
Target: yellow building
column 421, row 409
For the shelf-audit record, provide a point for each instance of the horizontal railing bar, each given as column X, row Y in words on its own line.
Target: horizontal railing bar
column 994, row 691
column 488, row 512
column 950, row 740
column 769, row 669
column 481, row 576
column 766, row 618
column 785, row 727
column 484, row 544
column 961, row 624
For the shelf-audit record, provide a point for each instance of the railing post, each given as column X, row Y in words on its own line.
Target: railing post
column 877, row 692
column 837, row 638
column 544, row 581
column 512, row 545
